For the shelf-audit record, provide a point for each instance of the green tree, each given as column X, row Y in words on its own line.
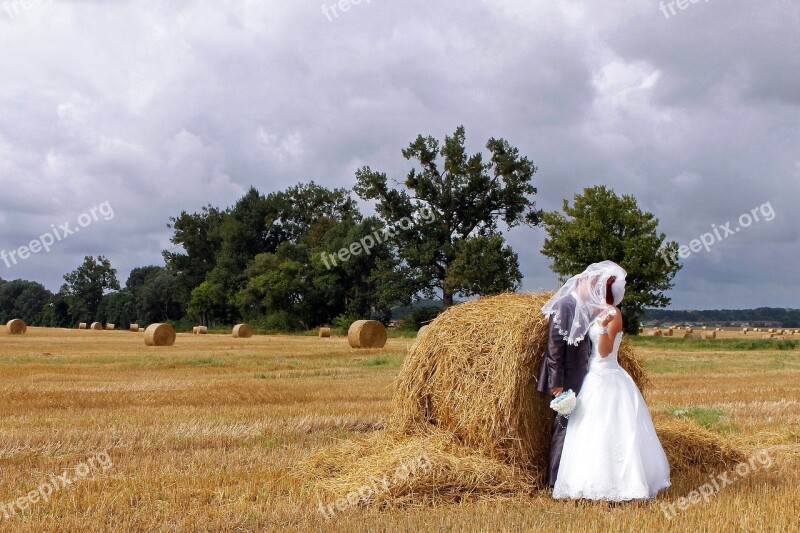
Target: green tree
column 118, row 308
column 601, row 225
column 197, row 234
column 23, row 299
column 468, row 196
column 85, row 286
column 156, row 293
column 218, row 246
column 208, row 303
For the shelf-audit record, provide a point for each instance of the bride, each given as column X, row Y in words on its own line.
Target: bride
column 611, row 451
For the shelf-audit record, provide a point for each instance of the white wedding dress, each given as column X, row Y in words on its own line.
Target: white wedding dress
column 611, row 451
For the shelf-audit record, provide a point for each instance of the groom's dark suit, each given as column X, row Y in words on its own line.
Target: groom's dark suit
column 564, row 365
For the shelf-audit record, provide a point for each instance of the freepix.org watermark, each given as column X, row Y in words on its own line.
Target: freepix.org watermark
column 377, row 486
column 718, row 482
column 721, row 232
column 57, row 234
column 333, row 11
column 366, row 244
column 13, row 9
column 669, row 7
column 99, row 462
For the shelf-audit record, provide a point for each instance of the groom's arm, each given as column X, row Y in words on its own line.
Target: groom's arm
column 554, row 358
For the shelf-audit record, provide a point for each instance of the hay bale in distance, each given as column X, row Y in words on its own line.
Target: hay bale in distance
column 159, row 335
column 82, row 325
column 692, row 336
column 711, row 335
column 657, row 333
column 669, row 332
column 202, row 330
column 16, row 326
column 242, row 331
column 325, row 333
column 366, row 334
column 110, row 327
column 96, row 326
column 134, row 327
column 689, row 330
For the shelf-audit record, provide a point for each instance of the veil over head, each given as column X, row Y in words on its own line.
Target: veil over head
column 586, row 292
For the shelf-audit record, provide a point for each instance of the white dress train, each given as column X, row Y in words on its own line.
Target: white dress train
column 611, row 451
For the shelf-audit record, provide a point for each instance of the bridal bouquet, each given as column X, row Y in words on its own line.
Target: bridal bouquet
column 564, row 404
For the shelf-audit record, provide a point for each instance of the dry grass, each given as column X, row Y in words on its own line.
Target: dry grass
column 204, row 433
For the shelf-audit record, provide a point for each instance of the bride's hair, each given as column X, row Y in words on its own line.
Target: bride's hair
column 609, row 292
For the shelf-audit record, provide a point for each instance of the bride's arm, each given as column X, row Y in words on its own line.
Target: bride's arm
column 605, row 341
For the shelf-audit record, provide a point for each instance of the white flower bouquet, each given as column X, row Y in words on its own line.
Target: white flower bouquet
column 565, row 403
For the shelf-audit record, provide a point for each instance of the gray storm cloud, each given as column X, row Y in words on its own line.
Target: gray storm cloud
column 160, row 107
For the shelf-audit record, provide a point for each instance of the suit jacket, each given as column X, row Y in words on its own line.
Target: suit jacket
column 564, row 365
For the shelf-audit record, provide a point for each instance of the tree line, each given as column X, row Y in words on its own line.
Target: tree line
column 307, row 256
column 759, row 317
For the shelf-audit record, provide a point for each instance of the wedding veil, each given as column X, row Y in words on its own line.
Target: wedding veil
column 587, row 291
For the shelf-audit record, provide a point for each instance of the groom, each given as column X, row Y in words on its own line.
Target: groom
column 563, row 367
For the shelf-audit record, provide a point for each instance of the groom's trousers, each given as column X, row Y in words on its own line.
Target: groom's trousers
column 564, row 366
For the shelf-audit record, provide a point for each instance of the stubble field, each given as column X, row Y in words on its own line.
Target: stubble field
column 202, row 436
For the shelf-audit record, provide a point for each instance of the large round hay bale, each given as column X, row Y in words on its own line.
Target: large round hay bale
column 201, row 330
column 159, row 335
column 669, row 332
column 692, row 336
column 110, row 327
column 82, row 325
column 657, row 333
column 242, row 331
column 711, row 335
column 96, row 326
column 366, row 334
column 421, row 331
column 325, row 332
column 689, row 330
column 134, row 327
column 16, row 327
column 466, row 398
column 474, row 374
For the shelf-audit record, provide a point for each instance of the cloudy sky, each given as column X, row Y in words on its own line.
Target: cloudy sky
column 154, row 107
